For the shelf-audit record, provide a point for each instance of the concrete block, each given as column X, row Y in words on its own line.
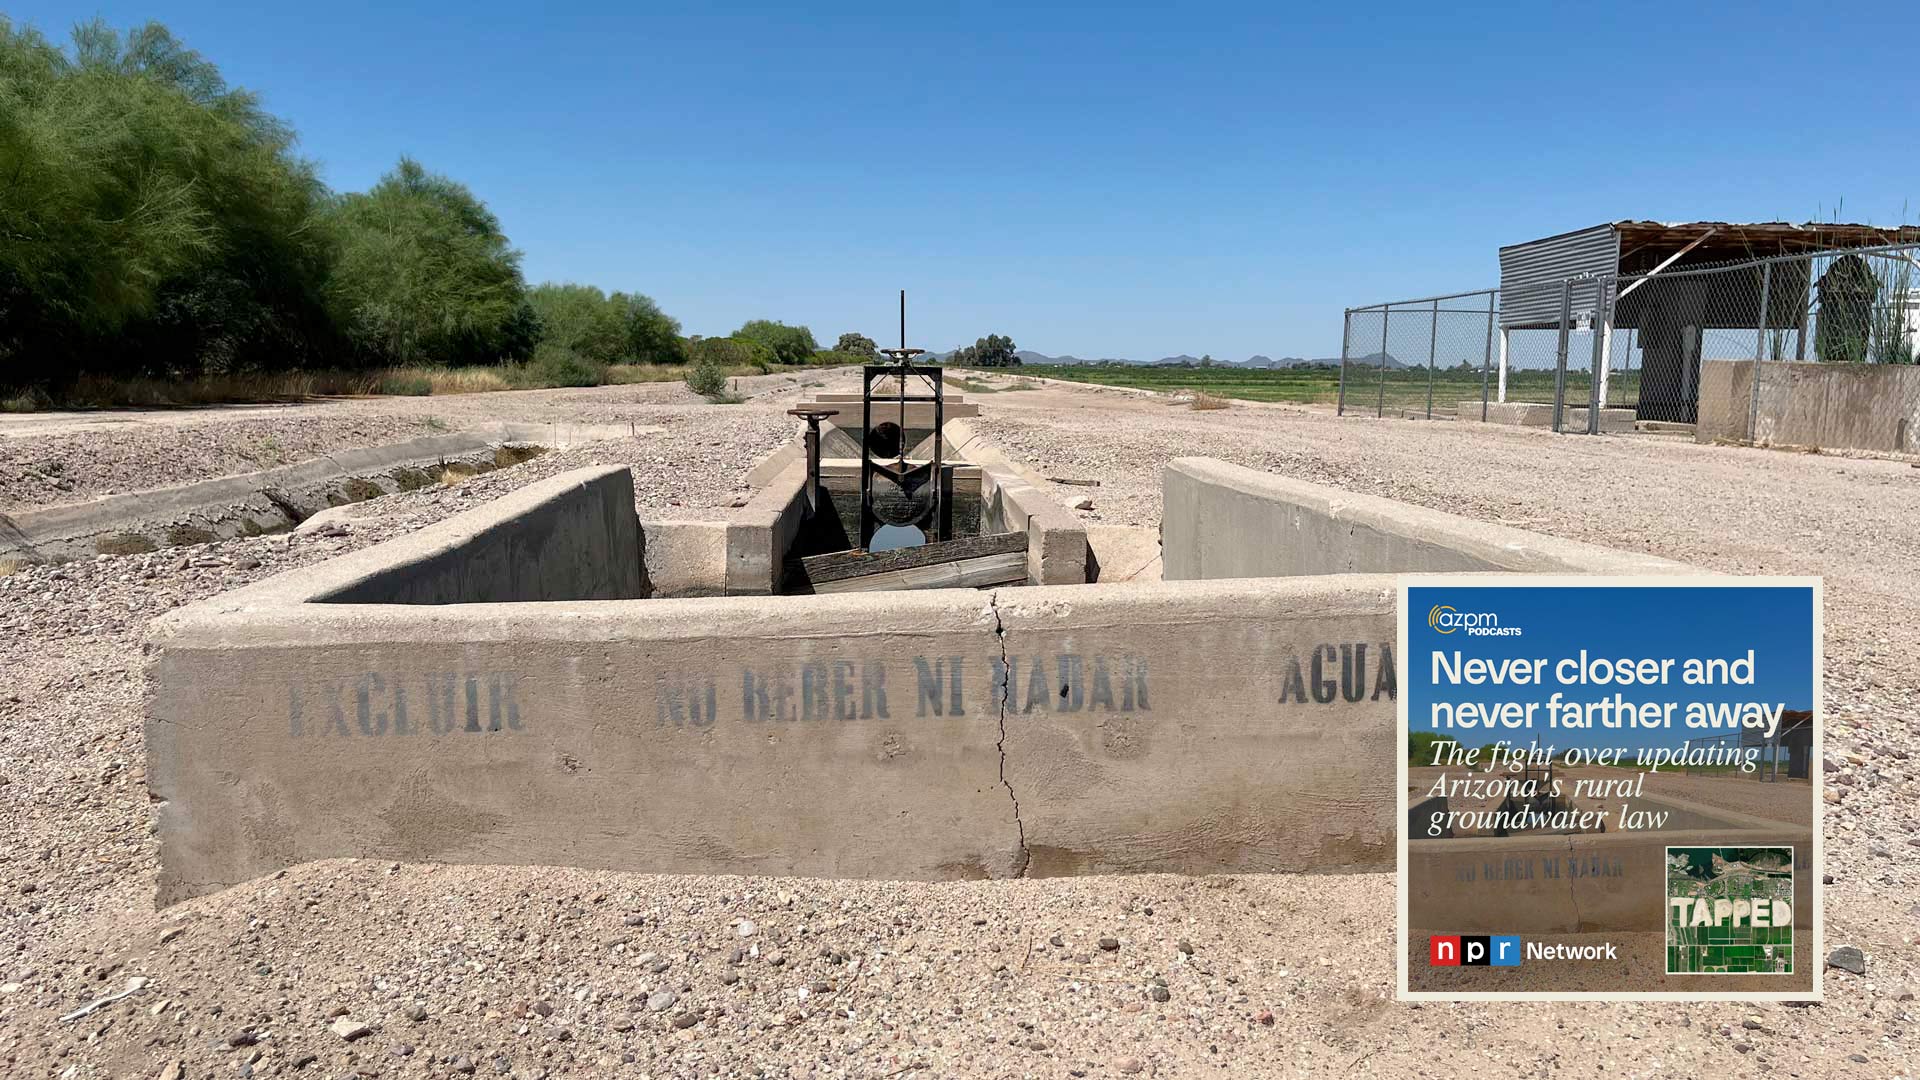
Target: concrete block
column 767, row 735
column 240, row 505
column 1227, row 521
column 1202, row 727
column 684, row 558
column 571, row 537
column 761, row 533
column 1873, row 407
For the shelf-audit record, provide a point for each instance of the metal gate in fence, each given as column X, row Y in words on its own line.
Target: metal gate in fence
column 1632, row 343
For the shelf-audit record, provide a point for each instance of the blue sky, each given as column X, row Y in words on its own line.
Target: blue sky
column 1776, row 622
column 1099, row 179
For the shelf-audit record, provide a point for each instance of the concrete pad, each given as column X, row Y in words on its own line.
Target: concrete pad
column 1535, row 414
column 1122, row 553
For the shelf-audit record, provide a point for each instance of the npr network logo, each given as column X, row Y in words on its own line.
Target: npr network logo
column 1482, row 950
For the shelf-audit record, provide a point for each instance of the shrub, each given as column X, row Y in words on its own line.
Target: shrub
column 404, row 383
column 557, row 365
column 706, row 378
column 732, row 353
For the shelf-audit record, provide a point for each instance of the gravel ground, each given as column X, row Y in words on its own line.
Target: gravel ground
column 52, row 458
column 371, row 969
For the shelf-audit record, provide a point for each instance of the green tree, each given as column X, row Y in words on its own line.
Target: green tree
column 425, row 273
column 859, row 345
column 582, row 319
column 652, row 336
column 790, row 344
column 994, row 350
column 153, row 220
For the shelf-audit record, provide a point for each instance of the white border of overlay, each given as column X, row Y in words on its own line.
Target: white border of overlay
column 1816, row 954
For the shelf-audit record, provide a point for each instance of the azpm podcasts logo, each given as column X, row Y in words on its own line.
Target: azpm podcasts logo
column 1445, row 619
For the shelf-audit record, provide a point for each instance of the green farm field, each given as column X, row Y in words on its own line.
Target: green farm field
column 1403, row 387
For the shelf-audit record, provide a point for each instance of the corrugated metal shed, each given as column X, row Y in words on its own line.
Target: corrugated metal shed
column 1531, row 273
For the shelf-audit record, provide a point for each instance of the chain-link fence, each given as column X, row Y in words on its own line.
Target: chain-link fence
column 1639, row 345
column 1420, row 356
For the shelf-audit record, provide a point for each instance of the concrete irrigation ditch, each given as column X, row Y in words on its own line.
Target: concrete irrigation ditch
column 549, row 679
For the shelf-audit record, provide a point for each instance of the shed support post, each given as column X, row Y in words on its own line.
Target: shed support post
column 1503, row 363
column 1605, row 329
column 1486, row 355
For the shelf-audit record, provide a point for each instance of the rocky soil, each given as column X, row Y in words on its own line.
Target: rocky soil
column 47, row 459
column 365, row 969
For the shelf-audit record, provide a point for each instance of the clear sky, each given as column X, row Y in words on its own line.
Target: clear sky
column 1102, row 179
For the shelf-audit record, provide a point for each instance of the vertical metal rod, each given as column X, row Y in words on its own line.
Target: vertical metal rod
column 1386, row 314
column 1759, row 354
column 866, row 452
column 939, row 477
column 903, row 318
column 1486, row 357
column 1560, row 353
column 1806, row 319
column 1433, row 343
column 813, row 466
column 1596, row 381
column 1346, row 337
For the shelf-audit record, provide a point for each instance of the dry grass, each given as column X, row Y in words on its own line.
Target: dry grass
column 1203, row 401
column 11, row 564
column 467, row 380
column 623, row 374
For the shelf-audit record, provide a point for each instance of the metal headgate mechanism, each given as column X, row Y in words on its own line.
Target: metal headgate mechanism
column 895, row 490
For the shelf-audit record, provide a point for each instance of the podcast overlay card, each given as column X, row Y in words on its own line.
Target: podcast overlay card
column 1610, row 787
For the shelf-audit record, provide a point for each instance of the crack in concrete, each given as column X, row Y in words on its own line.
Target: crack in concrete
column 1573, row 890
column 1025, row 857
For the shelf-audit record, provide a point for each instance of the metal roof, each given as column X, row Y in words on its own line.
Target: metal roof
column 1643, row 244
column 1531, row 272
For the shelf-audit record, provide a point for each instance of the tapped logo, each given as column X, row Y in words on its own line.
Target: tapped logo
column 1445, row 619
